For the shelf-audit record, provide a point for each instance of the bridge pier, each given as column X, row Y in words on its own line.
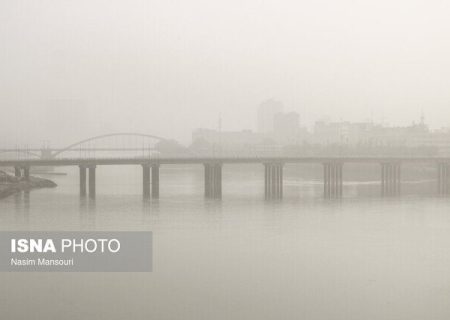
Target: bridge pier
column 26, row 173
column 17, row 172
column 213, row 180
column 82, row 180
column 390, row 179
column 273, row 180
column 155, row 181
column 332, row 180
column 146, row 180
column 92, row 181
column 443, row 178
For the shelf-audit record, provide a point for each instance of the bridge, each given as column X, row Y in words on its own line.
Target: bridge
column 390, row 171
column 123, row 142
column 142, row 150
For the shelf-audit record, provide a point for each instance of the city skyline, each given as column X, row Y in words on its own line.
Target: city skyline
column 164, row 70
column 73, row 109
column 66, row 107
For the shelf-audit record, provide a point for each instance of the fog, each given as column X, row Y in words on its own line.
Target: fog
column 71, row 69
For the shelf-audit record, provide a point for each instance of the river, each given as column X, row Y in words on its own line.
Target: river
column 360, row 257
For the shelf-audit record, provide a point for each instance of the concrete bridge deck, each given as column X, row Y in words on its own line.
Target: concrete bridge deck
column 223, row 160
column 390, row 171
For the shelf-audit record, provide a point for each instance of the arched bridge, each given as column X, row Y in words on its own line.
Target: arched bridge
column 125, row 144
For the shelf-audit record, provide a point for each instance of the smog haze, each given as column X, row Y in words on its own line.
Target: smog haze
column 73, row 69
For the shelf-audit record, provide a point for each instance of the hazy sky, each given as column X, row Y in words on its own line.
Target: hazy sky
column 166, row 67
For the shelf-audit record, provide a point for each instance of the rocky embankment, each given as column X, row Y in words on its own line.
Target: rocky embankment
column 10, row 184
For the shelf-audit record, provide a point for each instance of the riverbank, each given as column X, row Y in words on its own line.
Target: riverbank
column 10, row 184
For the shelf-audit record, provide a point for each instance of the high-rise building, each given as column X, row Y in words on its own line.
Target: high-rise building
column 266, row 115
column 286, row 127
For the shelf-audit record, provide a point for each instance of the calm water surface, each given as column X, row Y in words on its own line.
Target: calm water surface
column 361, row 257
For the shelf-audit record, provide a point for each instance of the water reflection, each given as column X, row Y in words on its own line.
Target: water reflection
column 22, row 208
column 87, row 213
column 213, row 206
column 150, row 206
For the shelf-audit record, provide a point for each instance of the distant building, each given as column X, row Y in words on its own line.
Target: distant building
column 409, row 136
column 439, row 139
column 342, row 133
column 266, row 115
column 227, row 139
column 288, row 137
column 230, row 142
column 286, row 128
column 370, row 134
